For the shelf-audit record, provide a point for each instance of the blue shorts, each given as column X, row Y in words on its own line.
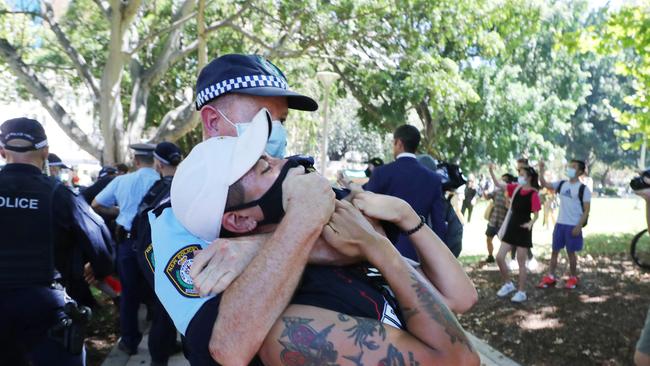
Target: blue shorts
column 562, row 237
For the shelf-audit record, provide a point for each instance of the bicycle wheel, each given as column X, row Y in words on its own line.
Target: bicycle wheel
column 640, row 249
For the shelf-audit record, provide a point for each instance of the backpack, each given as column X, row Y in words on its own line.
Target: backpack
column 581, row 195
column 451, row 176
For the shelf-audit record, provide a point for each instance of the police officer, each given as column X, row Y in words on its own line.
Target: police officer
column 43, row 225
column 162, row 334
column 121, row 198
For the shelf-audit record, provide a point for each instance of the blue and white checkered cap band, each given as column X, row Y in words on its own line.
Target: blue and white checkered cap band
column 242, row 82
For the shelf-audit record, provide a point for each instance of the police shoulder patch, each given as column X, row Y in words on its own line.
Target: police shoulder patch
column 149, row 258
column 178, row 270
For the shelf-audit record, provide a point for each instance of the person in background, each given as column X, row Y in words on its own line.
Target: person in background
column 497, row 214
column 575, row 203
column 57, row 166
column 45, row 230
column 120, row 199
column 469, row 199
column 531, row 262
column 162, row 334
column 372, row 164
column 407, row 179
column 517, row 230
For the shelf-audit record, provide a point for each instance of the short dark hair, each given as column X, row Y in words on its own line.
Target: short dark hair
column 235, row 194
column 122, row 168
column 509, row 178
column 144, row 159
column 581, row 165
column 410, row 137
column 522, row 161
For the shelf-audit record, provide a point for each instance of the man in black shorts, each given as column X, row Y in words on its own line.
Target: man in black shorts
column 337, row 313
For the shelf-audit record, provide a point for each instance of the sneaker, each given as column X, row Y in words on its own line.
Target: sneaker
column 547, row 281
column 520, row 296
column 506, row 289
column 572, row 282
column 513, row 265
column 532, row 264
column 489, row 259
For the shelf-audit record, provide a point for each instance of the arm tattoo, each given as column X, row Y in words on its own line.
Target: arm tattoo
column 305, row 346
column 439, row 312
column 363, row 329
column 409, row 312
column 396, row 358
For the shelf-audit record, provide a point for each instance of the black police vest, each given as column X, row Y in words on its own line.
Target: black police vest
column 26, row 230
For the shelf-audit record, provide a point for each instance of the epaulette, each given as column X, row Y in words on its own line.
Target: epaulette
column 162, row 205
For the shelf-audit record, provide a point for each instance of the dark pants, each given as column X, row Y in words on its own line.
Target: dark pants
column 467, row 206
column 27, row 315
column 513, row 253
column 162, row 335
column 131, row 297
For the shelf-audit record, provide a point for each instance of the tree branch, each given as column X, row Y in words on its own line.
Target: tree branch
column 157, row 34
column 20, row 12
column 358, row 94
column 77, row 59
column 28, row 77
column 176, row 123
column 104, row 7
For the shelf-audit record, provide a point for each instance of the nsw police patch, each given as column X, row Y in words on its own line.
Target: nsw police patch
column 178, row 270
column 148, row 256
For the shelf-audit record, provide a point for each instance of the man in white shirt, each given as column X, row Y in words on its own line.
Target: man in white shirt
column 575, row 202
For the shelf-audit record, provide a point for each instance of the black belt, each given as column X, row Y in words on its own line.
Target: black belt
column 121, row 233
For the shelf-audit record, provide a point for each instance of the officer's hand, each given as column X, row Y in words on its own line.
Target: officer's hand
column 349, row 232
column 89, row 274
column 217, row 266
column 308, row 196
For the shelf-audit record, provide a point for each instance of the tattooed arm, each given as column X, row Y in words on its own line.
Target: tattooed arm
column 307, row 335
column 427, row 316
column 438, row 264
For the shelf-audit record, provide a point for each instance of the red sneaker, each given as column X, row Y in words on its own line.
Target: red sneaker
column 572, row 282
column 547, row 281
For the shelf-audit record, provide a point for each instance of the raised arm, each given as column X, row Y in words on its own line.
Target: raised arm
column 426, row 314
column 438, row 263
column 497, row 182
column 272, row 276
column 542, row 179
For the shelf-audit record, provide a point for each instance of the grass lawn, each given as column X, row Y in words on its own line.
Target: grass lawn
column 612, row 224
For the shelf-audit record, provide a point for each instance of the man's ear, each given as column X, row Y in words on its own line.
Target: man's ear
column 238, row 222
column 210, row 119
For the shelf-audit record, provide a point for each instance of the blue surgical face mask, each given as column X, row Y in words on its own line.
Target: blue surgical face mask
column 522, row 180
column 240, row 127
column 571, row 173
column 277, row 144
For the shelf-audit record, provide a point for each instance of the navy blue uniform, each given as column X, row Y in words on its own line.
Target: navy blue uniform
column 48, row 233
column 357, row 290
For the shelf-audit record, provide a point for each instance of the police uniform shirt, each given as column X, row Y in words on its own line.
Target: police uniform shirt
column 75, row 225
column 173, row 250
column 127, row 191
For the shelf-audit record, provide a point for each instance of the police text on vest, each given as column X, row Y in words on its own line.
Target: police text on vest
column 19, row 202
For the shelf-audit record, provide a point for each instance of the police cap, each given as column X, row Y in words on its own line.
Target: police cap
column 247, row 74
column 55, row 160
column 107, row 170
column 143, row 149
column 375, row 161
column 168, row 153
column 25, row 129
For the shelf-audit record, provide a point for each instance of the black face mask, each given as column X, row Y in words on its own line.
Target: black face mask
column 368, row 172
column 271, row 201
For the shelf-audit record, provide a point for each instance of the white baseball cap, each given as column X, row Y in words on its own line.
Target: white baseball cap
column 200, row 186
